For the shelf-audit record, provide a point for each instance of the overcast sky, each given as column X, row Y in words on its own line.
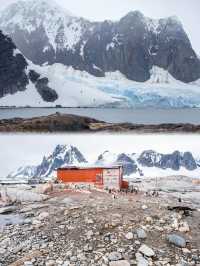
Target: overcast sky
column 186, row 10
column 27, row 149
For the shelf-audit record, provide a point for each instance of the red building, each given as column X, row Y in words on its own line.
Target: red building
column 110, row 177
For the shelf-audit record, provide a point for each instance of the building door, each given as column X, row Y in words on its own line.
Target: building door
column 111, row 178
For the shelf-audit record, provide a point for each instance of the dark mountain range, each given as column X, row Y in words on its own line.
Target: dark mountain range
column 45, row 33
column 133, row 164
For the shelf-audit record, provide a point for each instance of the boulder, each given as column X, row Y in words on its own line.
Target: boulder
column 147, row 251
column 141, row 261
column 141, row 234
column 20, row 194
column 129, row 235
column 176, row 240
column 45, row 188
column 114, row 256
column 6, row 210
column 43, row 216
column 4, row 197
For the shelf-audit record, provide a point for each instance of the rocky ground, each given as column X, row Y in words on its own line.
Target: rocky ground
column 73, row 123
column 83, row 227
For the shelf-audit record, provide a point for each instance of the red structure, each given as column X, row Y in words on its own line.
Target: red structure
column 101, row 177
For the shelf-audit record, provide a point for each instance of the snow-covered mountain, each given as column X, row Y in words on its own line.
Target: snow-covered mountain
column 79, row 88
column 149, row 163
column 46, row 33
column 23, row 83
column 63, row 155
column 134, row 62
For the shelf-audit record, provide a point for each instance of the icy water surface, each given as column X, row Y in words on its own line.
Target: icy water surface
column 137, row 116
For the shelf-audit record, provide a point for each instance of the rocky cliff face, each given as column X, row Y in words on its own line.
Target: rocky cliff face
column 14, row 73
column 133, row 45
column 12, row 68
column 174, row 161
column 62, row 156
column 135, row 163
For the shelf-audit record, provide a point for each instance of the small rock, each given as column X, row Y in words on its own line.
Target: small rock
column 43, row 215
column 149, row 220
column 73, row 259
column 141, row 261
column 28, row 263
column 6, row 210
column 45, row 188
column 144, row 207
column 141, row 234
column 147, row 251
column 114, row 256
column 186, row 251
column 129, row 236
column 119, row 263
column 89, row 234
column 66, row 263
column 176, row 240
column 89, row 221
column 50, row 263
column 184, row 228
column 2, row 251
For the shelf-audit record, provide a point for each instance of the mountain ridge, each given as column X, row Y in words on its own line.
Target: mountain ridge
column 134, row 164
column 131, row 45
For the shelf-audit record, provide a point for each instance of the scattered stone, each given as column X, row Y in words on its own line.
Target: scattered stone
column 28, row 263
column 2, row 251
column 141, row 234
column 45, row 188
column 6, row 210
column 89, row 234
column 50, row 263
column 176, row 240
column 145, row 250
column 80, row 238
column 119, row 263
column 129, row 235
column 184, row 228
column 141, row 261
column 149, row 220
column 89, row 221
column 28, row 257
column 43, row 216
column 144, row 207
column 114, row 256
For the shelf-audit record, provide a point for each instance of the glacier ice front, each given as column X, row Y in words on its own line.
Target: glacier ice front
column 77, row 88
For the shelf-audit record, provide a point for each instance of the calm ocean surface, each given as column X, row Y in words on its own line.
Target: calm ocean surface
column 143, row 116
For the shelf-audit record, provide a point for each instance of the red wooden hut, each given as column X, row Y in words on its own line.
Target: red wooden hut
column 105, row 177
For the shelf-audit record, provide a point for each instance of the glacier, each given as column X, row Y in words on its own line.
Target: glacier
column 77, row 88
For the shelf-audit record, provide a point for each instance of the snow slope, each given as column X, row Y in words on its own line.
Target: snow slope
column 152, row 172
column 74, row 88
column 79, row 88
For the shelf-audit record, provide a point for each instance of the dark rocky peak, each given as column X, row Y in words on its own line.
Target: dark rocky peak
column 13, row 67
column 133, row 16
column 188, row 161
column 124, row 158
